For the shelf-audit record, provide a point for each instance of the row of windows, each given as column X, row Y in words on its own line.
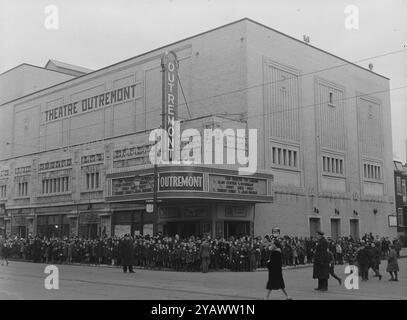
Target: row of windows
column 284, row 157
column 332, row 165
column 57, row 185
column 22, row 189
column 372, row 171
column 3, row 191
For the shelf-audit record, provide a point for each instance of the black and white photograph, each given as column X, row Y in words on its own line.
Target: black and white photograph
column 217, row 151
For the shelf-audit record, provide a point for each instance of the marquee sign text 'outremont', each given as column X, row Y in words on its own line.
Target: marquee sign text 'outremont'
column 169, row 65
column 98, row 101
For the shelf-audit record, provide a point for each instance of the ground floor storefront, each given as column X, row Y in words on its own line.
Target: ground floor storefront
column 176, row 217
column 190, row 201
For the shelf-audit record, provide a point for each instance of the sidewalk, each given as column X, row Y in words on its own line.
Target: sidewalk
column 403, row 254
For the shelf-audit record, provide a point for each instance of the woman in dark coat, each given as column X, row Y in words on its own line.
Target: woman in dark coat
column 274, row 266
column 392, row 264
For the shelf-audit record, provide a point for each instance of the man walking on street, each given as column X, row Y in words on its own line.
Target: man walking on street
column 321, row 263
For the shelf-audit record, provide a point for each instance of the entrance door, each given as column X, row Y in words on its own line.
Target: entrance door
column 354, row 228
column 184, row 229
column 92, row 230
column 335, row 229
column 314, row 226
column 236, row 228
column 22, row 231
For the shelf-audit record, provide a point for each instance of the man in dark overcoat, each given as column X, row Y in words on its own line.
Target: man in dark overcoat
column 321, row 262
column 126, row 253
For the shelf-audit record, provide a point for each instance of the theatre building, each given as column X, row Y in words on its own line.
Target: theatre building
column 75, row 147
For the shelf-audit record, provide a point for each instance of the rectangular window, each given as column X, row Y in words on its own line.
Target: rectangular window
column 22, row 189
column 283, row 157
column 92, row 181
column 3, row 191
column 87, row 181
column 398, row 183
column 404, row 190
column 331, row 99
column 274, row 155
column 97, row 180
column 332, row 165
column 400, row 220
column 372, row 171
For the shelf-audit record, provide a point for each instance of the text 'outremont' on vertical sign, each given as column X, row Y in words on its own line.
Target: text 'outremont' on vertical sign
column 104, row 99
column 169, row 65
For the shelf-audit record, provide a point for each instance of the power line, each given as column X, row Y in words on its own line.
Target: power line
column 230, row 120
column 231, row 92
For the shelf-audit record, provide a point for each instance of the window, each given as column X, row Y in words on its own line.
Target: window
column 92, row 181
column 284, row 157
column 404, row 190
column 3, row 191
column 332, row 165
column 55, row 185
column 22, row 189
column 331, row 99
column 372, row 172
column 398, row 185
column 400, row 220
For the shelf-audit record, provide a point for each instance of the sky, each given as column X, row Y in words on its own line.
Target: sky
column 97, row 33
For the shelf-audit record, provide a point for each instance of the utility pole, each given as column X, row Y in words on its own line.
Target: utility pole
column 155, row 202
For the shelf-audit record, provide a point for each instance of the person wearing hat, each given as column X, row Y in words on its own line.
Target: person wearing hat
column 126, row 253
column 321, row 262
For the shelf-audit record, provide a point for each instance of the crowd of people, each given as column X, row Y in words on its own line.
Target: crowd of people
column 203, row 253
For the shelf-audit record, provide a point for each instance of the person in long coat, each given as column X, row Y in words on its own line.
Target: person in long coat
column 321, row 263
column 2, row 249
column 126, row 254
column 275, row 272
column 204, row 255
column 392, row 264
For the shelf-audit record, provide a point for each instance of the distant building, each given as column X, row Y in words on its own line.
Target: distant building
column 400, row 186
column 74, row 155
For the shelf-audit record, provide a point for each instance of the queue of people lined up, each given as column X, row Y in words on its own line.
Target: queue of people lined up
column 243, row 253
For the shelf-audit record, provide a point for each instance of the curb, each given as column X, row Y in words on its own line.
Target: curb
column 167, row 269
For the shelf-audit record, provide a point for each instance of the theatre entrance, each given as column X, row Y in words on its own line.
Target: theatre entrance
column 236, row 228
column 184, row 229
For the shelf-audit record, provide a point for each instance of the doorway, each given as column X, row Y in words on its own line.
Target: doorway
column 184, row 229
column 314, row 226
column 354, row 229
column 335, row 229
column 236, row 229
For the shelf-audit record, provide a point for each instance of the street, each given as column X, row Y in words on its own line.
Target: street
column 25, row 280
